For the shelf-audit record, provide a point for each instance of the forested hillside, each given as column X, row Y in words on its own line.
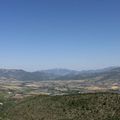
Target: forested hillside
column 98, row 106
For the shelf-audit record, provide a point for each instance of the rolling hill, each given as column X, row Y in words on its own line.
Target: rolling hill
column 98, row 106
column 107, row 74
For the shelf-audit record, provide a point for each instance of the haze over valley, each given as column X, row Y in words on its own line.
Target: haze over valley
column 70, row 36
column 19, row 83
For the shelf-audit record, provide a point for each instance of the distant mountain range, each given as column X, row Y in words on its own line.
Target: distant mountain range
column 112, row 73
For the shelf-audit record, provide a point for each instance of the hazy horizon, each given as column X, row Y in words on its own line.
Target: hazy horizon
column 7, row 68
column 79, row 35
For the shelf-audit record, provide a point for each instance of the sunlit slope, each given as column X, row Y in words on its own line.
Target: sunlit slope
column 99, row 106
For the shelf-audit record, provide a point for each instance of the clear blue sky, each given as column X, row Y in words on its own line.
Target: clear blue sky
column 76, row 34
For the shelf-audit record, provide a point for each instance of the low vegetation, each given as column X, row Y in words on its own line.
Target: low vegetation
column 97, row 106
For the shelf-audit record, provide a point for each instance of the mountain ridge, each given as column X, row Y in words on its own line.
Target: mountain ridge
column 60, row 74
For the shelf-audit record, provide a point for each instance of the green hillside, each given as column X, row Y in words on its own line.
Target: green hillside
column 98, row 106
